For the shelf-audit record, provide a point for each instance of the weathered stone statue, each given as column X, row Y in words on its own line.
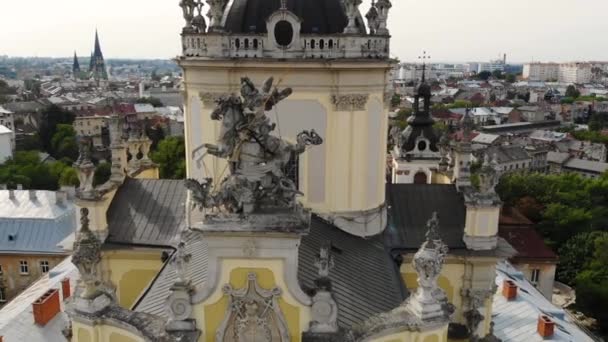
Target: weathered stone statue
column 256, row 159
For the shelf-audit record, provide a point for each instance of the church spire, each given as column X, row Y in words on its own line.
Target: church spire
column 75, row 65
column 98, row 65
column 97, row 52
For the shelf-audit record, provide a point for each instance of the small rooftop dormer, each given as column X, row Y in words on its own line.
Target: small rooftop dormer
column 285, row 29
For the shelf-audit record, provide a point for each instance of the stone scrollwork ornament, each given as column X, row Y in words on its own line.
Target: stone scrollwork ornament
column 324, row 307
column 253, row 315
column 350, row 102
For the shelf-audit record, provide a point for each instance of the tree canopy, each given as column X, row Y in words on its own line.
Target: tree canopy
column 171, row 158
column 572, row 92
column 26, row 169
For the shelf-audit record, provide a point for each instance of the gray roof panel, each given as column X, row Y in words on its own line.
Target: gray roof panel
column 412, row 205
column 147, row 211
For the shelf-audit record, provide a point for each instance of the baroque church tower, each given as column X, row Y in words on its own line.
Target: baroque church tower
column 339, row 70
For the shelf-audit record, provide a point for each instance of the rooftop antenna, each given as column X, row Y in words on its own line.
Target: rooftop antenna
column 424, row 58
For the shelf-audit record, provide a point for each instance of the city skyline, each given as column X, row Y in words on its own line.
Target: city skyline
column 476, row 30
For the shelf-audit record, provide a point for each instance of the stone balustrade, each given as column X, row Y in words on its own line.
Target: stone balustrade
column 212, row 45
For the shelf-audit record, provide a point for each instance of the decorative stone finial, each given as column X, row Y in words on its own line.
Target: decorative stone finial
column 181, row 262
column 383, row 7
column 86, row 169
column 489, row 175
column 188, row 7
column 429, row 302
column 215, row 14
column 325, row 261
column 86, row 257
column 256, row 158
column 352, row 12
column 198, row 23
column 444, row 151
column 179, row 303
column 372, row 18
column 324, row 307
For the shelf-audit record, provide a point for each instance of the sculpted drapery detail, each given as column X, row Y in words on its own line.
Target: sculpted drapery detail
column 350, row 102
column 256, row 158
column 253, row 315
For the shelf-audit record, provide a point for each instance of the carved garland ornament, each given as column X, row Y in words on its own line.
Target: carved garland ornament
column 350, row 102
column 253, row 315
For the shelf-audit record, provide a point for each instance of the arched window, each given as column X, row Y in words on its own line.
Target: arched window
column 255, row 44
column 246, row 43
column 237, row 43
column 420, row 178
column 321, row 44
column 331, row 44
column 312, row 43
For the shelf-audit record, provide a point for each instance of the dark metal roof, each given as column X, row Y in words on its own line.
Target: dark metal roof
column 318, row 16
column 508, row 154
column 146, row 211
column 365, row 280
column 412, row 205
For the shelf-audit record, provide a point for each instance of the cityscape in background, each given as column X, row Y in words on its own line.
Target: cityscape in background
column 436, row 201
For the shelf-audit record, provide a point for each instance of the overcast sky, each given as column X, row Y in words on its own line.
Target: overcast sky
column 466, row 30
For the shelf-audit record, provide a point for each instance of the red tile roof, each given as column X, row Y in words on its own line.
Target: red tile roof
column 528, row 244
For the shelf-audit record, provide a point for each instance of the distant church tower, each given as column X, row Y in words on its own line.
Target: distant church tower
column 416, row 157
column 75, row 66
column 97, row 67
column 339, row 70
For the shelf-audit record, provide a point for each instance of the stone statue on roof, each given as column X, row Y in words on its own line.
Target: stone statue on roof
column 256, row 158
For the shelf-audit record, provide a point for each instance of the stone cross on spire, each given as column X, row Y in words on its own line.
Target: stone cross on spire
column 283, row 5
column 325, row 262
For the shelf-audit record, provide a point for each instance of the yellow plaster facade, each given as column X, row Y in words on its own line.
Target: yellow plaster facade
column 131, row 272
column 98, row 222
column 103, row 333
column 352, row 175
column 269, row 275
column 437, row 335
column 482, row 221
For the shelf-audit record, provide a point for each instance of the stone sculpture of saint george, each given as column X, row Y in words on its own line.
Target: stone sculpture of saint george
column 256, row 158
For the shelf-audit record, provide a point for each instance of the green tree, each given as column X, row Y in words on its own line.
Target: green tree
column 576, row 253
column 484, row 75
column 498, row 74
column 511, row 78
column 27, row 169
column 50, row 118
column 69, row 177
column 63, row 142
column 103, row 171
column 171, row 158
column 572, row 92
column 395, row 100
column 156, row 102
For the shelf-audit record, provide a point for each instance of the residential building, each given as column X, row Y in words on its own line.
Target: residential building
column 32, row 317
column 33, row 224
column 522, row 313
column 534, row 259
column 7, row 119
column 510, row 158
column 560, row 162
column 495, row 65
column 6, row 144
column 541, row 71
column 578, row 73
column 575, row 72
column 93, row 127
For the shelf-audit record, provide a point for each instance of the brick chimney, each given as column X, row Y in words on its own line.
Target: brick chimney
column 509, row 289
column 545, row 326
column 46, row 307
column 65, row 289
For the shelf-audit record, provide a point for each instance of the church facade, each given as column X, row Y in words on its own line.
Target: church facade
column 285, row 229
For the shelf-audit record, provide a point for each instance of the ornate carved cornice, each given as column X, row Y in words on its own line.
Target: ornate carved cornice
column 349, row 102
